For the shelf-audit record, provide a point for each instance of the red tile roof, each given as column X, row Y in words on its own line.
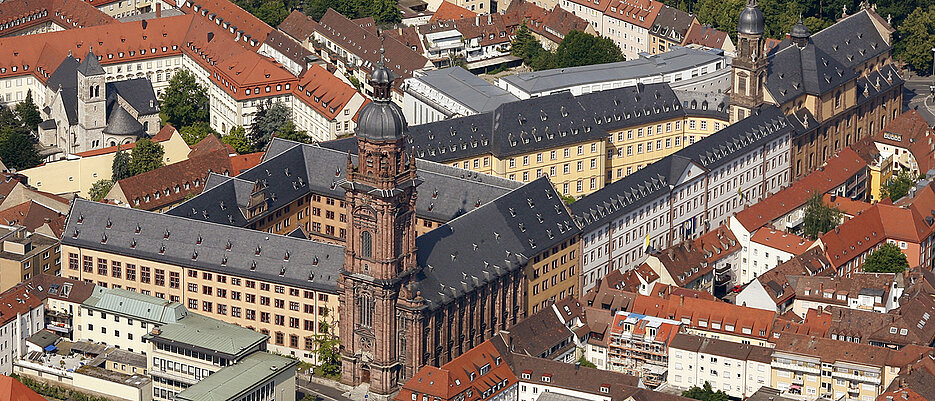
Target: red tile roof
column 837, row 170
column 631, row 280
column 747, row 322
column 229, row 16
column 299, row 26
column 553, row 24
column 460, row 375
column 704, row 35
column 692, row 260
column 16, row 16
column 172, row 182
column 449, row 11
column 163, row 135
column 781, row 240
column 641, row 13
column 33, row 215
column 12, row 390
column 849, row 206
column 19, row 299
column 241, row 163
column 670, row 291
column 324, row 92
column 910, row 131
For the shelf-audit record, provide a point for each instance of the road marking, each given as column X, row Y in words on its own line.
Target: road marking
column 320, row 394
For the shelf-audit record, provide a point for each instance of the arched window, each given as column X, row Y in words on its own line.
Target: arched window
column 366, row 244
column 365, row 307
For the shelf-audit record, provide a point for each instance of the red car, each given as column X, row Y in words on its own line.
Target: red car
column 736, row 289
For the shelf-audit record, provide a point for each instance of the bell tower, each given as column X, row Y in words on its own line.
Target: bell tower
column 380, row 249
column 749, row 67
column 92, row 104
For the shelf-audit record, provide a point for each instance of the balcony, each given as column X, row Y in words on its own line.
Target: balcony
column 795, row 367
column 853, row 377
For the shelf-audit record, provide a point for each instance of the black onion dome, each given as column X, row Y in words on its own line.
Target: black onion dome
column 381, row 121
column 800, row 31
column 751, row 20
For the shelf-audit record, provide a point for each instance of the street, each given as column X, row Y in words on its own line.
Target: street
column 917, row 95
column 322, row 392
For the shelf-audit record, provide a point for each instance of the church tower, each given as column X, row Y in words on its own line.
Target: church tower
column 749, row 67
column 92, row 102
column 381, row 237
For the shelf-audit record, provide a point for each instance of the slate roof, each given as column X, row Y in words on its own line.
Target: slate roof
column 65, row 77
column 546, row 122
column 446, row 192
column 202, row 245
column 672, row 23
column 466, row 88
column 138, row 92
column 120, row 122
column 827, row 61
column 498, row 237
column 90, row 66
column 134, row 304
column 646, row 184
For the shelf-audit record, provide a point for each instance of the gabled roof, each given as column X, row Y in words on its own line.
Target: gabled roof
column 707, row 36
column 136, row 305
column 235, row 22
column 733, row 319
column 210, row 334
column 16, row 16
column 297, row 25
column 449, row 11
column 491, row 240
column 541, row 335
column 171, row 183
column 672, row 24
column 465, row 88
column 649, row 183
column 324, row 92
column 12, row 390
column 33, row 215
column 461, row 374
column 203, row 245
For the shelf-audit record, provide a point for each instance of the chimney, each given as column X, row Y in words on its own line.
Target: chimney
column 477, row 20
column 158, row 9
column 577, row 365
column 833, row 197
column 681, row 300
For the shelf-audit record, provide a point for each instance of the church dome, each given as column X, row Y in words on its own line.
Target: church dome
column 751, row 20
column 800, row 31
column 381, row 121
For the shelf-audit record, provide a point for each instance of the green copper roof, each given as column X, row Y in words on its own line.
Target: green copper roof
column 232, row 382
column 135, row 305
column 210, row 334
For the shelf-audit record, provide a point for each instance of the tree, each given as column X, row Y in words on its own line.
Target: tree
column 327, row 349
column 146, row 155
column 705, row 393
column 897, row 187
column 289, row 132
column 120, row 168
column 886, row 259
column 819, row 218
column 586, row 363
column 579, row 48
column 28, row 112
column 268, row 122
column 184, row 102
column 17, row 149
column 194, row 133
column 99, row 189
column 384, row 11
column 528, row 48
column 237, row 138
column 568, row 199
column 916, row 39
column 720, row 14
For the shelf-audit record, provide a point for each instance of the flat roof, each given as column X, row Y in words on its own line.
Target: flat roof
column 209, row 334
column 677, row 59
column 466, row 88
column 233, row 381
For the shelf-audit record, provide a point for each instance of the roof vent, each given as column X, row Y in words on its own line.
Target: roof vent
column 253, row 266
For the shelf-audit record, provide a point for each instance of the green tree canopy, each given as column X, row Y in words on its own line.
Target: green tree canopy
column 237, row 138
column 17, row 146
column 886, row 259
column 289, row 132
column 99, row 189
column 916, row 39
column 705, row 393
column 28, row 112
column 146, row 155
column 382, row 11
column 579, row 48
column 120, row 168
column 819, row 217
column 184, row 102
column 194, row 133
column 897, row 187
column 267, row 122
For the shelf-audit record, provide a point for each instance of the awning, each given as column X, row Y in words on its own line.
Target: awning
column 795, row 387
column 50, row 348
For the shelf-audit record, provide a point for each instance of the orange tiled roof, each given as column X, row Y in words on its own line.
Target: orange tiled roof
column 12, row 390
column 16, row 16
column 641, row 13
column 241, row 163
column 750, row 322
column 299, row 26
column 781, row 240
column 455, row 377
column 705, row 35
column 449, row 11
column 32, row 215
column 910, row 131
column 849, row 206
column 163, row 135
column 836, row 171
column 231, row 19
column 323, row 91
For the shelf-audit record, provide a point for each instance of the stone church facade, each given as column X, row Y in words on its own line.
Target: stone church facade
column 407, row 302
column 84, row 112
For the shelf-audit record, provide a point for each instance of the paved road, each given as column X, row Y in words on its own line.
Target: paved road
column 323, row 393
column 917, row 95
